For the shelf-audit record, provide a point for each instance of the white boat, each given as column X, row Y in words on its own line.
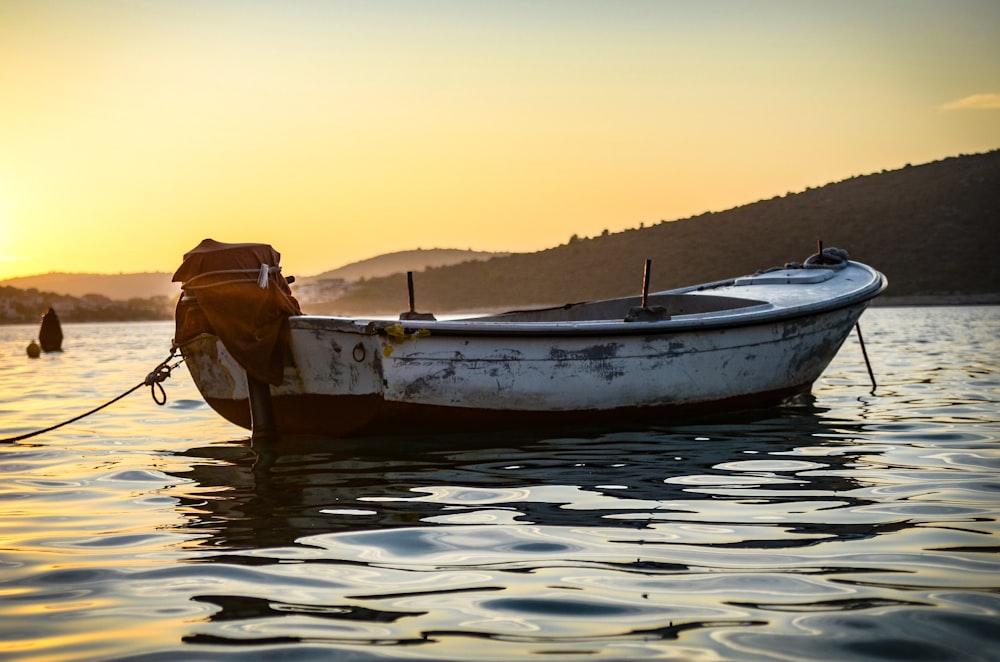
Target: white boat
column 746, row 342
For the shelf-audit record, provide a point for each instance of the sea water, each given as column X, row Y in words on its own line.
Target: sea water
column 853, row 525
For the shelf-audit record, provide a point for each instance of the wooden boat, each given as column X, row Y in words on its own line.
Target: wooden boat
column 746, row 342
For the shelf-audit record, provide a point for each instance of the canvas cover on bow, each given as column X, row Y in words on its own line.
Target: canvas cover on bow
column 250, row 320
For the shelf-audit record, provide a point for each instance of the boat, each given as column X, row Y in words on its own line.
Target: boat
column 746, row 342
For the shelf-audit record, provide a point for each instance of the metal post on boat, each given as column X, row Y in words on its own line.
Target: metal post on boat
column 412, row 313
column 643, row 312
column 409, row 288
column 262, row 427
column 645, row 283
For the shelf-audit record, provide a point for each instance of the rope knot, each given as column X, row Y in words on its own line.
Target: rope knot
column 154, row 380
column 158, row 375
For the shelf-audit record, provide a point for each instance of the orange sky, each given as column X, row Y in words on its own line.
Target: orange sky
column 336, row 131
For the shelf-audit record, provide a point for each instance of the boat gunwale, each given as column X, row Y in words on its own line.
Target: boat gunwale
column 753, row 315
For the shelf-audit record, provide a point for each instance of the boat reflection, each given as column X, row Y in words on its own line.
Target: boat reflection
column 257, row 497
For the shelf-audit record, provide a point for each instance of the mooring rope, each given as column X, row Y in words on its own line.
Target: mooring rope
column 154, row 380
column 864, row 352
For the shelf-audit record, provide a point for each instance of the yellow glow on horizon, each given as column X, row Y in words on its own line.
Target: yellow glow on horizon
column 129, row 132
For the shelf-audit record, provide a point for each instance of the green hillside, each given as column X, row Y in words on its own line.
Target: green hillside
column 932, row 229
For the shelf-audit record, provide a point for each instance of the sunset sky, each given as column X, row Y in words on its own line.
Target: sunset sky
column 336, row 131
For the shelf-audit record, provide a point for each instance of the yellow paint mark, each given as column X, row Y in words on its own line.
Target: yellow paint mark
column 396, row 331
column 398, row 334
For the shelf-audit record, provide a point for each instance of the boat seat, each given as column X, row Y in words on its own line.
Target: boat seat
column 414, row 315
column 647, row 314
column 787, row 277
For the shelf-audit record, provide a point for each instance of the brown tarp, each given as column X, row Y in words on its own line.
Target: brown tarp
column 251, row 321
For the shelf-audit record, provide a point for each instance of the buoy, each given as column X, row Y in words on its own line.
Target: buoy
column 51, row 334
column 34, row 350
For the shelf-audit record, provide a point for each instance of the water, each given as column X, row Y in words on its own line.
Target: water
column 849, row 527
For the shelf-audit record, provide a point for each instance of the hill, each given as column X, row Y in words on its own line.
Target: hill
column 401, row 262
column 27, row 307
column 315, row 292
column 930, row 228
column 120, row 287
column 85, row 297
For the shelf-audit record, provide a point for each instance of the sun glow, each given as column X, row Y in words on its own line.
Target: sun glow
column 339, row 134
column 8, row 259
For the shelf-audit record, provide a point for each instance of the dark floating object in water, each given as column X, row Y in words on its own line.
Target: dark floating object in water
column 34, row 350
column 51, row 335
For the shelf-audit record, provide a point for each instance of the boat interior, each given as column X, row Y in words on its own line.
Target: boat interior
column 658, row 306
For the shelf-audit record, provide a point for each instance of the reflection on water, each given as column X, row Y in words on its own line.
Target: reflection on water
column 627, row 479
column 606, row 540
column 847, row 526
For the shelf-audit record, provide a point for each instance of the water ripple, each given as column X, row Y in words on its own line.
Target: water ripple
column 847, row 526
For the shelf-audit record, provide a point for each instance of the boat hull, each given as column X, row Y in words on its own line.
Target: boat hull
column 345, row 378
